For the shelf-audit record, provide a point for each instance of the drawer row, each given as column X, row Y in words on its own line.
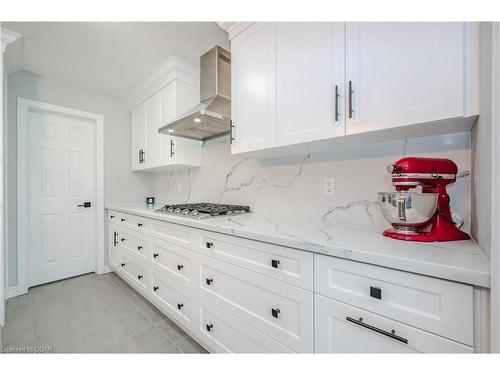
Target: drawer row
column 239, row 276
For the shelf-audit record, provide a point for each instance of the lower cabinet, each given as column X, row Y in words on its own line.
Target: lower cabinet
column 341, row 328
column 227, row 294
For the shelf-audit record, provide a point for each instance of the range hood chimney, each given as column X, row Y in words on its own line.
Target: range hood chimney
column 211, row 118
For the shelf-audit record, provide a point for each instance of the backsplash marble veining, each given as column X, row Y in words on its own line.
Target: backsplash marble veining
column 287, row 187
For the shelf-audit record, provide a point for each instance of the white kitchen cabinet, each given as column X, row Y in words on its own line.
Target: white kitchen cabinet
column 138, row 136
column 113, row 244
column 253, row 88
column 298, row 83
column 155, row 151
column 403, row 73
column 310, row 81
column 341, row 328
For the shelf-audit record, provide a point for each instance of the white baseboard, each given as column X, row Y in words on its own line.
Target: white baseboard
column 12, row 292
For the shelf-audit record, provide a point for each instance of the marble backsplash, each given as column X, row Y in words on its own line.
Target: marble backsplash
column 282, row 188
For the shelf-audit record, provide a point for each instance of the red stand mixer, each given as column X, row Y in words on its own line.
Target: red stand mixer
column 425, row 216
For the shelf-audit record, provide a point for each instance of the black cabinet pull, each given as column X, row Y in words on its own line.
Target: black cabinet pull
column 172, row 144
column 85, row 205
column 209, row 245
column 337, row 103
column 275, row 312
column 155, row 255
column 139, row 225
column 122, row 239
column 210, row 327
column 139, row 277
column 275, row 263
column 180, row 267
column 231, row 127
column 351, row 111
column 180, row 306
column 112, row 217
column 155, row 288
column 139, row 247
column 122, row 219
column 209, row 281
column 375, row 292
column 115, row 238
column 123, row 264
column 391, row 334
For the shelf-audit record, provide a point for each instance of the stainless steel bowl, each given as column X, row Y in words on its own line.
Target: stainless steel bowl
column 407, row 211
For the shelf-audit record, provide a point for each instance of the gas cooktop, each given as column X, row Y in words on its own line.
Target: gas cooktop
column 203, row 210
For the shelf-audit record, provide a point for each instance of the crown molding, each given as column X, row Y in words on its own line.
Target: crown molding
column 171, row 69
column 234, row 28
column 8, row 37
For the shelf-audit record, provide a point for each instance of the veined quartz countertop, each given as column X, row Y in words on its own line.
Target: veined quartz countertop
column 461, row 261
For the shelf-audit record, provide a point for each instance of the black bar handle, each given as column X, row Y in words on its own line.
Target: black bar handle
column 231, row 126
column 115, row 238
column 391, row 334
column 172, row 153
column 351, row 111
column 337, row 103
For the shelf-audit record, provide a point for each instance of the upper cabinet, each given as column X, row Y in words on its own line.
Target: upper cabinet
column 253, row 88
column 403, row 73
column 153, row 151
column 295, row 83
column 310, row 81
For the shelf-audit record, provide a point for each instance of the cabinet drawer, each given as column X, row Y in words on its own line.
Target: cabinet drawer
column 172, row 298
column 173, row 233
column 435, row 305
column 224, row 333
column 281, row 311
column 134, row 272
column 134, row 243
column 113, row 217
column 133, row 222
column 281, row 263
column 341, row 328
column 173, row 261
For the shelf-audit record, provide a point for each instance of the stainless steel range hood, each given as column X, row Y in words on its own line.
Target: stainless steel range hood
column 211, row 118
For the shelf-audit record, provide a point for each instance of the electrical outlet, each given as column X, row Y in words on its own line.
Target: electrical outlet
column 329, row 186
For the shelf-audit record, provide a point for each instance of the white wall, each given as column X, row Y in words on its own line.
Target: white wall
column 120, row 184
column 482, row 147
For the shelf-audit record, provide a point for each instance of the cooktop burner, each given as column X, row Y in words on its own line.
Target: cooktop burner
column 203, row 210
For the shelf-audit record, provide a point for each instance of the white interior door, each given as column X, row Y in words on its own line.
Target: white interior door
column 61, row 176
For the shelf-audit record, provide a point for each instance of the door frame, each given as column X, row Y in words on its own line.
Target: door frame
column 23, row 108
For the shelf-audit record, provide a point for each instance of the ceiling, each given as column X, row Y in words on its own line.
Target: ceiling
column 109, row 57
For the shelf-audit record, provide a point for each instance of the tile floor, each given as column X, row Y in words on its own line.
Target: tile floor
column 92, row 314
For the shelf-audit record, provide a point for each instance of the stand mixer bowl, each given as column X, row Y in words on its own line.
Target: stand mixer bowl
column 408, row 212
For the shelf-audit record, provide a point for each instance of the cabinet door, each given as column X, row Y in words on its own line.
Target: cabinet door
column 153, row 138
column 341, row 328
column 403, row 73
column 138, row 136
column 114, row 245
column 310, row 76
column 253, row 80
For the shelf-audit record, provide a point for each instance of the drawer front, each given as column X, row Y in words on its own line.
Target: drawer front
column 135, row 272
column 136, row 223
column 134, row 243
column 420, row 301
column 172, row 298
column 224, row 333
column 339, row 330
column 281, row 263
column 173, row 261
column 281, row 311
column 173, row 233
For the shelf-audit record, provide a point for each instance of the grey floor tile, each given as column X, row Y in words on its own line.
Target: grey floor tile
column 172, row 330
column 189, row 345
column 151, row 311
column 150, row 341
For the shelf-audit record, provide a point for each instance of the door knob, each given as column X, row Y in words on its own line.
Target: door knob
column 85, row 205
